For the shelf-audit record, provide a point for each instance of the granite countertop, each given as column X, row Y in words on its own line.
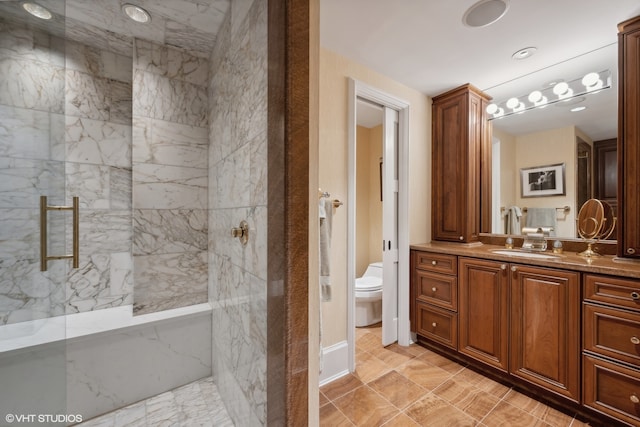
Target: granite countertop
column 605, row 264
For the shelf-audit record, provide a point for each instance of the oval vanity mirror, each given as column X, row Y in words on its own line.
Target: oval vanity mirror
column 590, row 219
column 609, row 225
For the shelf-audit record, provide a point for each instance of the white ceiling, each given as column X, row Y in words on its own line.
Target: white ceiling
column 424, row 45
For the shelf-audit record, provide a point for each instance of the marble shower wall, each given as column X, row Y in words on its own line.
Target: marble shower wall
column 170, row 160
column 98, row 171
column 238, row 191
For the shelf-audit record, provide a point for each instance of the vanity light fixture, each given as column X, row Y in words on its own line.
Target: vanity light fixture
column 37, row 10
column 136, row 13
column 525, row 53
column 561, row 92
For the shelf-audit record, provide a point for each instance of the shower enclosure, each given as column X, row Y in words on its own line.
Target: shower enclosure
column 128, row 151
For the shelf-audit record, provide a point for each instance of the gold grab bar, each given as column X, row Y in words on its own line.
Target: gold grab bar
column 75, row 256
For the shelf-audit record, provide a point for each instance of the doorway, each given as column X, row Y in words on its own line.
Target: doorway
column 393, row 249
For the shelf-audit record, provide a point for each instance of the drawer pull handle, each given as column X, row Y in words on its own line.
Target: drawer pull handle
column 635, row 295
column 434, row 263
column 434, row 289
column 434, row 324
column 635, row 340
column 503, row 267
column 634, row 398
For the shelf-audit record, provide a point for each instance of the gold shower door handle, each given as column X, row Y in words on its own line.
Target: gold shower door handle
column 44, row 209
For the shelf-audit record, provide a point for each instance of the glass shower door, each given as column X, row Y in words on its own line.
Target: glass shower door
column 32, row 154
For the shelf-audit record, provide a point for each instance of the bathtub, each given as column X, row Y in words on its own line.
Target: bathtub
column 94, row 362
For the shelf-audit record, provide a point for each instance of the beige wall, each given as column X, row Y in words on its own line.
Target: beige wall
column 333, row 171
column 368, row 204
column 509, row 178
column 546, row 148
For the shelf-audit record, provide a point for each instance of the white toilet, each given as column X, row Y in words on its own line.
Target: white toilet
column 369, row 296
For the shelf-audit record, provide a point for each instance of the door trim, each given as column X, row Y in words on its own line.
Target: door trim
column 358, row 89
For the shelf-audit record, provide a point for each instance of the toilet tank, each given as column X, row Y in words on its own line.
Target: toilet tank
column 374, row 270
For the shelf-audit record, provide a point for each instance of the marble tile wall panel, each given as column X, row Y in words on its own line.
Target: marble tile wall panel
column 90, row 183
column 19, row 233
column 98, row 62
column 23, row 181
column 105, row 231
column 167, row 143
column 98, row 142
column 162, row 98
column 97, row 98
column 102, row 281
column 19, row 42
column 169, row 231
column 28, row 133
column 237, row 171
column 120, row 188
column 169, row 281
column 196, row 42
column 33, row 85
column 171, row 62
column 99, row 38
column 169, row 187
column 27, row 293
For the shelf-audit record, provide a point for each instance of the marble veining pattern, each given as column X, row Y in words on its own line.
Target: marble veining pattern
column 98, row 142
column 33, row 85
column 168, row 143
column 169, row 231
column 171, row 62
column 23, row 181
column 169, row 187
column 237, row 177
column 162, row 98
column 195, row 404
column 29, row 134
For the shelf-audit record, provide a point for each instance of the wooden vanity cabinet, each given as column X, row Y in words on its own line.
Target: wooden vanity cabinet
column 434, row 302
column 484, row 311
column 460, row 158
column 545, row 328
column 629, row 138
column 611, row 346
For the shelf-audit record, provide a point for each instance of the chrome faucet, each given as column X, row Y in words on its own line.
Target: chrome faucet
column 535, row 238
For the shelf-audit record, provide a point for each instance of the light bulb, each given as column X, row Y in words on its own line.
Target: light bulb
column 591, row 79
column 492, row 108
column 561, row 88
column 535, row 96
column 513, row 103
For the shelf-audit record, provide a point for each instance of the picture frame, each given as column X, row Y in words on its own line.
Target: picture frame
column 543, row 181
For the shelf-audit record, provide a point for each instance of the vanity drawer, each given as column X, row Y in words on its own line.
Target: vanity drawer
column 612, row 389
column 438, row 263
column 613, row 333
column 612, row 290
column 437, row 324
column 437, row 289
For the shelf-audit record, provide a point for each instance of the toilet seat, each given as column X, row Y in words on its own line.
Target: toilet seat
column 368, row 284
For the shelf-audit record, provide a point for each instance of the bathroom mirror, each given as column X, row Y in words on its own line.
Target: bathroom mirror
column 555, row 134
column 590, row 219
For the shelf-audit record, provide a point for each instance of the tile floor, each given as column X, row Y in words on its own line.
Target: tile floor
column 412, row 386
column 195, row 404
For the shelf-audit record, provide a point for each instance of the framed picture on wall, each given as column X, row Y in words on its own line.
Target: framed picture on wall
column 542, row 181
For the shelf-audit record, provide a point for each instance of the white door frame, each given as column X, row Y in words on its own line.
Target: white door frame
column 358, row 89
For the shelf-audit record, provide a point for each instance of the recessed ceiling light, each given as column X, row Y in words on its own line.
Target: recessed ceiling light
column 575, row 110
column 136, row 13
column 485, row 12
column 525, row 53
column 37, row 10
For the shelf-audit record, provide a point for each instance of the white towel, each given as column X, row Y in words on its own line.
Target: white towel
column 543, row 218
column 513, row 220
column 325, row 250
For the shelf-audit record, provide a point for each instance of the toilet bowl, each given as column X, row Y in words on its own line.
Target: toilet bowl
column 369, row 296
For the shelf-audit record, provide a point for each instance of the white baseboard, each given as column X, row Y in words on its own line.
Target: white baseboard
column 335, row 362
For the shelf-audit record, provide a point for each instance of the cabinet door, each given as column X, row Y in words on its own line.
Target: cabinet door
column 483, row 311
column 629, row 139
column 545, row 328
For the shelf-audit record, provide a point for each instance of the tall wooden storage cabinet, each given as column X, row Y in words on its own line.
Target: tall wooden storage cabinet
column 629, row 138
column 461, row 171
